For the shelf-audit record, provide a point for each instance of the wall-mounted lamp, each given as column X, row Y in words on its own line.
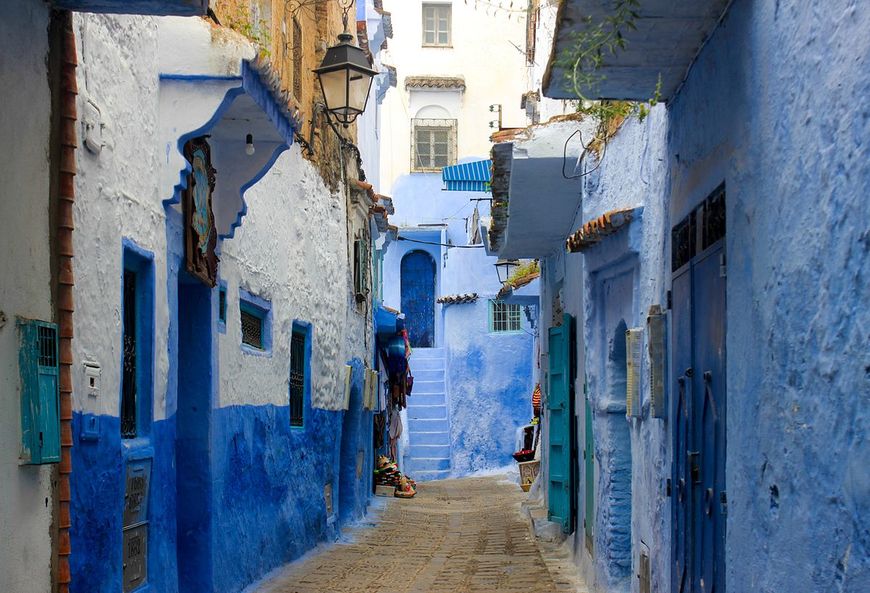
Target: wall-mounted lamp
column 345, row 77
column 504, row 268
column 249, row 145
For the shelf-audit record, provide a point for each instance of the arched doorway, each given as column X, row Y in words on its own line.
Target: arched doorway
column 418, row 298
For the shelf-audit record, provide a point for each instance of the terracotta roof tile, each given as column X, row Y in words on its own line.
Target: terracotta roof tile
column 596, row 229
column 458, row 299
column 435, row 82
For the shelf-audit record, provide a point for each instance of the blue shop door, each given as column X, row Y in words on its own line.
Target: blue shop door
column 560, row 403
column 699, row 500
column 418, row 298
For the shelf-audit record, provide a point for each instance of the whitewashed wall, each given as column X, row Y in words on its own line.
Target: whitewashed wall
column 25, row 285
column 476, row 38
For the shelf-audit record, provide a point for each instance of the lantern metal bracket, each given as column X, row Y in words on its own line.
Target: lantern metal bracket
column 344, row 143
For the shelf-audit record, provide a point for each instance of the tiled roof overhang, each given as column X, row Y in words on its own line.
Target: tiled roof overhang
column 435, row 82
column 669, row 35
column 593, row 231
column 458, row 299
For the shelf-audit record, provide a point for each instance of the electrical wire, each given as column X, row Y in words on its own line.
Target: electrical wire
column 448, row 245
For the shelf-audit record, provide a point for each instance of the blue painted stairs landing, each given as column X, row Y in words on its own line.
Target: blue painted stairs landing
column 428, row 457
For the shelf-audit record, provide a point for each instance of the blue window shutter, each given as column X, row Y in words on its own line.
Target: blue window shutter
column 38, row 367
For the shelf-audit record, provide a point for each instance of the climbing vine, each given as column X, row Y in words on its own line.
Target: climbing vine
column 583, row 60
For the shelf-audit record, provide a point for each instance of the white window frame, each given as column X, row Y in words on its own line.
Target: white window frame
column 425, row 162
column 504, row 318
column 436, row 12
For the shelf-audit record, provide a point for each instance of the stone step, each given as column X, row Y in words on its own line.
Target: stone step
column 427, row 463
column 430, row 438
column 424, row 399
column 419, row 353
column 431, row 475
column 427, row 376
column 427, row 387
column 419, row 412
column 426, row 364
column 429, row 451
column 428, row 425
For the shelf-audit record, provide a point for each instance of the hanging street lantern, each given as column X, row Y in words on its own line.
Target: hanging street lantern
column 504, row 268
column 345, row 79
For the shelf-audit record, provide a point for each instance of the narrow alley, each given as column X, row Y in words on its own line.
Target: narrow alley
column 468, row 535
column 434, row 296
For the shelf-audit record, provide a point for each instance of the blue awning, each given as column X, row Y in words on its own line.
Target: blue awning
column 474, row 176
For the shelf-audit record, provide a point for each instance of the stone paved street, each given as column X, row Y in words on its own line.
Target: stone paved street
column 458, row 536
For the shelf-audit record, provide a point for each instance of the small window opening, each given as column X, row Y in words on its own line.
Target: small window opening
column 436, row 25
column 129, row 387
column 298, row 374
column 504, row 317
column 222, row 304
column 252, row 329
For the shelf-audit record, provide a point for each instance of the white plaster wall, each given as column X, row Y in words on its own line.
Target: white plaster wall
column 476, row 37
column 116, row 198
column 25, row 282
column 292, row 251
column 546, row 29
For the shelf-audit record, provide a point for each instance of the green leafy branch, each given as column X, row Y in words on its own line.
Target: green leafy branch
column 584, row 59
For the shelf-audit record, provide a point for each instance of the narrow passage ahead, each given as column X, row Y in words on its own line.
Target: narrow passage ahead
column 458, row 536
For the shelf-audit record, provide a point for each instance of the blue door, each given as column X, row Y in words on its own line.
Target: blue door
column 418, row 298
column 699, row 496
column 560, row 403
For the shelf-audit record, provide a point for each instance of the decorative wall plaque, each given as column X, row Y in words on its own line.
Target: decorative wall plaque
column 200, row 234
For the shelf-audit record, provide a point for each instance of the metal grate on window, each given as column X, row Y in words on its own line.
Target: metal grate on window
column 129, row 384
column 47, row 340
column 222, row 304
column 297, row 378
column 714, row 218
column 433, row 144
column 252, row 329
column 505, row 317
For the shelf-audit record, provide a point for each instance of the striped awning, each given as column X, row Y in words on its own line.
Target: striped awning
column 474, row 176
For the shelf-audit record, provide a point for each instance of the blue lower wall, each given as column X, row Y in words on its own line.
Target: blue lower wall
column 489, row 383
column 267, row 492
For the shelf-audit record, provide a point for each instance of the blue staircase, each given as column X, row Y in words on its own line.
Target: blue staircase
column 428, row 457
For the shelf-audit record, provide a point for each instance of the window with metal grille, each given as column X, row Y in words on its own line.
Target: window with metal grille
column 299, row 348
column 252, row 329
column 702, row 227
column 47, row 340
column 433, row 145
column 128, row 379
column 360, row 269
column 436, row 25
column 504, row 317
column 222, row 304
column 297, row 59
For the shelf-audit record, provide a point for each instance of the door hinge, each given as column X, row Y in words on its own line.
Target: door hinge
column 723, row 502
column 670, row 301
column 723, row 267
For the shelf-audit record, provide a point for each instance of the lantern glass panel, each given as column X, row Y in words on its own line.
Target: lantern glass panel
column 358, row 91
column 334, row 86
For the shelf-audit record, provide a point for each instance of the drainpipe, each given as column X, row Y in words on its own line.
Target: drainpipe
column 65, row 171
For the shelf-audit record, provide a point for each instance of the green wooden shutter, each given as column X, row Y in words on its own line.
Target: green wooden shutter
column 559, row 404
column 589, row 477
column 38, row 367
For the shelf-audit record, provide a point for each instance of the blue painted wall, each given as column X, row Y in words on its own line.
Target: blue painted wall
column 776, row 107
column 259, row 481
column 489, row 376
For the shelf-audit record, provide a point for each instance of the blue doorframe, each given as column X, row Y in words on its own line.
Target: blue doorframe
column 418, row 297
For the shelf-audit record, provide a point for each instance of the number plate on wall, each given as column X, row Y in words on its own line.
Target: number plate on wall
column 136, row 492
column 135, row 534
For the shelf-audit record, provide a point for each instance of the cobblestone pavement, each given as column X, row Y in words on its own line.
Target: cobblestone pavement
column 458, row 536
